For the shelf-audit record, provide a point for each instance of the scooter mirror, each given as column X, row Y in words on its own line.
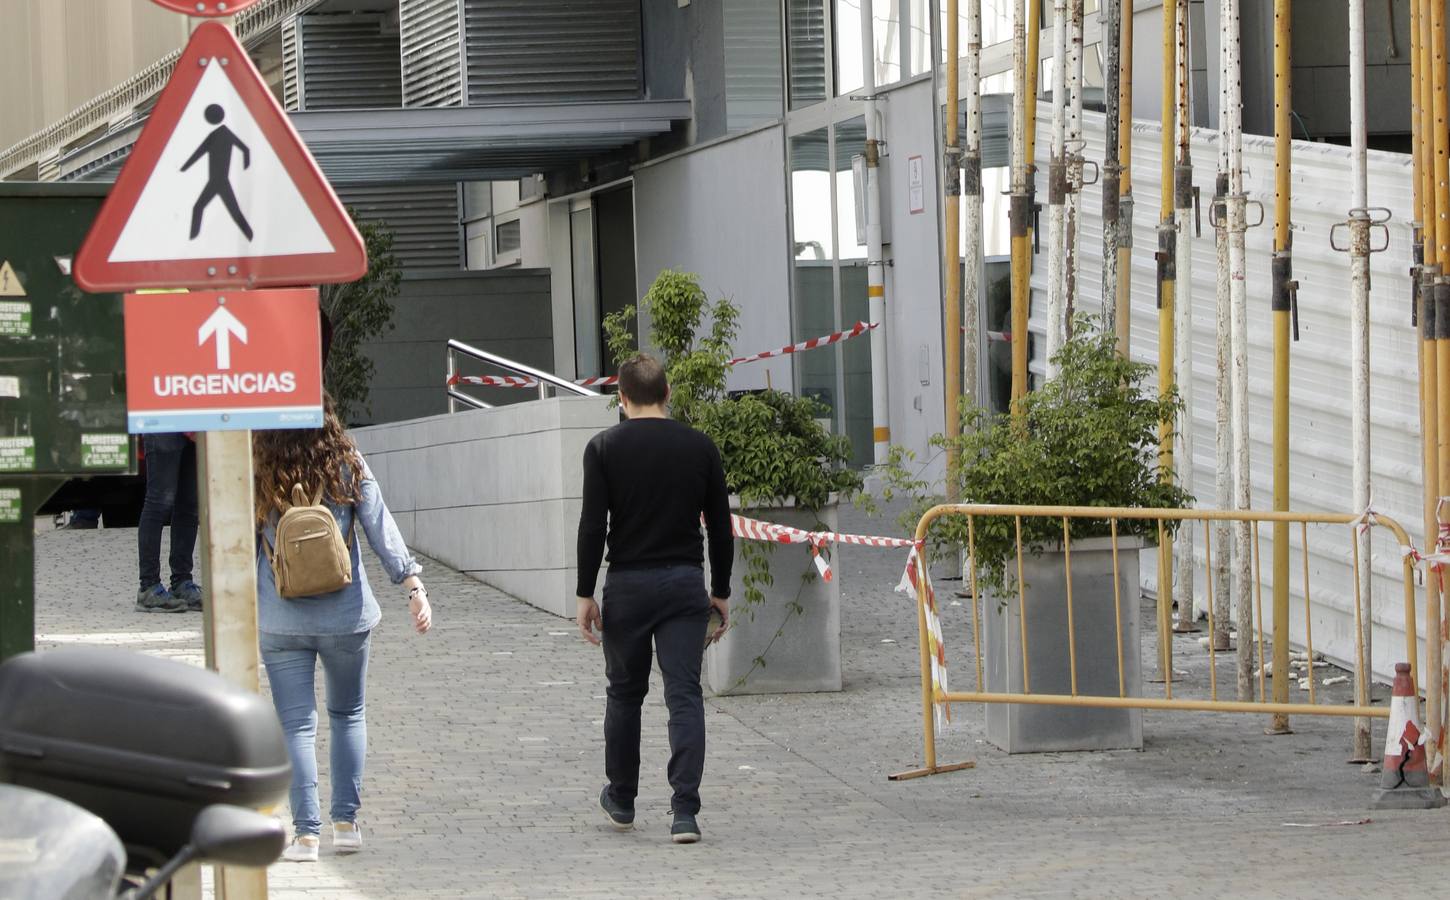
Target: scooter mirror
column 236, row 836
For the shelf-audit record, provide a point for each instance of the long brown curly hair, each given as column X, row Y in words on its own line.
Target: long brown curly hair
column 312, row 457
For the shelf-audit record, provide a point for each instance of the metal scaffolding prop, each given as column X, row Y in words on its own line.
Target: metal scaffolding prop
column 1223, row 344
column 1284, row 307
column 1183, row 196
column 1057, row 238
column 1167, row 276
column 1112, row 166
column 951, row 252
column 972, row 188
column 1075, row 147
column 1124, row 300
column 1020, row 212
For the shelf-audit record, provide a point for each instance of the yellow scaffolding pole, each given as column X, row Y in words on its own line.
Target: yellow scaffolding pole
column 1167, row 273
column 1282, row 306
column 1434, row 637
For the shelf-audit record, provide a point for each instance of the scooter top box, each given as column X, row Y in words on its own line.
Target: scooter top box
column 142, row 742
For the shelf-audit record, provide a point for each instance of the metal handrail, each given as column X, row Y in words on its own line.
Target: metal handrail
column 545, row 379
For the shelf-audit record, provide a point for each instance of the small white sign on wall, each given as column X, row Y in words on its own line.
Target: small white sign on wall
column 916, row 179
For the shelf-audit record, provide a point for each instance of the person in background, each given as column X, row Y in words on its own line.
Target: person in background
column 334, row 628
column 170, row 495
column 647, row 483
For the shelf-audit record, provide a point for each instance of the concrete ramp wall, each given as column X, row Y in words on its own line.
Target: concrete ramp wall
column 494, row 493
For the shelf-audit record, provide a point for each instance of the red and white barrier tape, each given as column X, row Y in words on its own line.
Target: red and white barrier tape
column 916, row 574
column 856, row 330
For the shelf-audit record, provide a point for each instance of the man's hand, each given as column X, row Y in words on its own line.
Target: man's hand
column 589, row 620
column 721, row 606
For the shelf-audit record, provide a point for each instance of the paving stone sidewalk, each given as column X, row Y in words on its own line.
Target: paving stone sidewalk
column 485, row 758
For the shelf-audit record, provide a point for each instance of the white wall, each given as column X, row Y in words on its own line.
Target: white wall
column 494, row 493
column 1320, row 461
column 720, row 213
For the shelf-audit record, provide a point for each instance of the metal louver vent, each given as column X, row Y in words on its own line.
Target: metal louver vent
column 431, row 38
column 423, row 219
column 752, row 62
column 806, row 32
column 291, row 86
column 346, row 61
column 552, row 50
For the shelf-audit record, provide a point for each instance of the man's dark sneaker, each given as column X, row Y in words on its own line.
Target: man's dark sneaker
column 157, row 599
column 188, row 592
column 684, row 830
column 620, row 816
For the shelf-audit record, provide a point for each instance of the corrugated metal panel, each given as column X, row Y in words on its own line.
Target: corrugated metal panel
column 1320, row 460
column 806, row 36
column 752, row 62
column 291, row 86
column 348, row 61
column 431, row 36
column 422, row 217
column 552, row 50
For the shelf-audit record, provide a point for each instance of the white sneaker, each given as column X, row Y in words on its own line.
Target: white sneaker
column 303, row 848
column 346, row 837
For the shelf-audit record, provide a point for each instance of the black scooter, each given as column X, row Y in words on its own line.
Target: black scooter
column 117, row 769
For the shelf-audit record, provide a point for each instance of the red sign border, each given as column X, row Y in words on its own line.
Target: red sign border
column 208, row 10
column 94, row 271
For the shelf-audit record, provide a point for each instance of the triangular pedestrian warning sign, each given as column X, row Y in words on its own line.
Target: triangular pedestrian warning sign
column 219, row 190
column 10, row 285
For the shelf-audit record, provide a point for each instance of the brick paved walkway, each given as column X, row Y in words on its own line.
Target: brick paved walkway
column 485, row 759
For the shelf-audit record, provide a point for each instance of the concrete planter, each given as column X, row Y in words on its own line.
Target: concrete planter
column 1021, row 728
column 807, row 656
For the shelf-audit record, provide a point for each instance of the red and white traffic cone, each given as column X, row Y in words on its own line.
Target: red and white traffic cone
column 1406, row 780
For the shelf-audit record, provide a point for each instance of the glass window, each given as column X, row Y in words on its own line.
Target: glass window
column 847, row 47
column 813, row 273
column 918, row 39
column 506, row 239
column 753, row 79
column 810, row 185
column 806, row 51
column 886, row 39
column 850, row 142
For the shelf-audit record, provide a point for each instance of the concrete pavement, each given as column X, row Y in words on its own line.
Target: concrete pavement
column 485, row 758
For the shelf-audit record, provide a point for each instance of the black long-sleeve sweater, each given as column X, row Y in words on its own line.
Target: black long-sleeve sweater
column 647, row 481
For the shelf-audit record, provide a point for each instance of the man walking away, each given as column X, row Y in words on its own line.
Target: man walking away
column 649, row 479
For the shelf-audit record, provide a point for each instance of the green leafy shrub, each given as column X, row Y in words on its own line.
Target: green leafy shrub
column 359, row 312
column 1088, row 437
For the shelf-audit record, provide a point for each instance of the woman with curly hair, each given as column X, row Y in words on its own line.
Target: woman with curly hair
column 335, row 627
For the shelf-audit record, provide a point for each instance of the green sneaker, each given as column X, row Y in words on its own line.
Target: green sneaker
column 157, row 599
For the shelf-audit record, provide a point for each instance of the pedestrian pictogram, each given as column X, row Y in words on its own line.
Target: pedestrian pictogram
column 10, row 285
column 219, row 190
column 223, row 360
column 217, row 148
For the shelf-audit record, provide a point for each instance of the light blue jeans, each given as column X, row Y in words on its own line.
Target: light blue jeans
column 291, row 662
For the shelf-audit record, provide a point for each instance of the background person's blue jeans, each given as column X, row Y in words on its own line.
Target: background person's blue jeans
column 170, row 494
column 291, row 662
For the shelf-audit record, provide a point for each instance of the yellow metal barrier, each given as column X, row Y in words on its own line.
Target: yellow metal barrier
column 931, row 695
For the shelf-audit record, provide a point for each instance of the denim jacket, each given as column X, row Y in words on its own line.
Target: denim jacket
column 352, row 609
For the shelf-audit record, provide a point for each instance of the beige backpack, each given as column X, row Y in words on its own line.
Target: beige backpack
column 310, row 557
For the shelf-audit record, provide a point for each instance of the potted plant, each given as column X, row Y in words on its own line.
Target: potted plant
column 780, row 465
column 1087, row 437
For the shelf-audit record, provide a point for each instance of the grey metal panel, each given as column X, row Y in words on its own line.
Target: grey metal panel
column 422, row 217
column 348, row 61
column 431, row 38
column 531, row 50
column 291, row 65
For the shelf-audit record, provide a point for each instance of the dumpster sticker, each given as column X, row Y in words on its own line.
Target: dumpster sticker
column 105, row 451
column 14, row 319
column 17, row 454
column 10, row 285
column 9, row 506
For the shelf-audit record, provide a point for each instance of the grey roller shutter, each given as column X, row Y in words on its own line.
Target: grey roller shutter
column 422, row 217
column 431, row 37
column 291, row 64
column 523, row 51
column 806, row 33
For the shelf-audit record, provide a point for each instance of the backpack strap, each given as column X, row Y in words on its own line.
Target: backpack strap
column 317, row 497
column 299, row 496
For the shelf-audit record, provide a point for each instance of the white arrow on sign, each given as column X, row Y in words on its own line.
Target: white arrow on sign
column 222, row 326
